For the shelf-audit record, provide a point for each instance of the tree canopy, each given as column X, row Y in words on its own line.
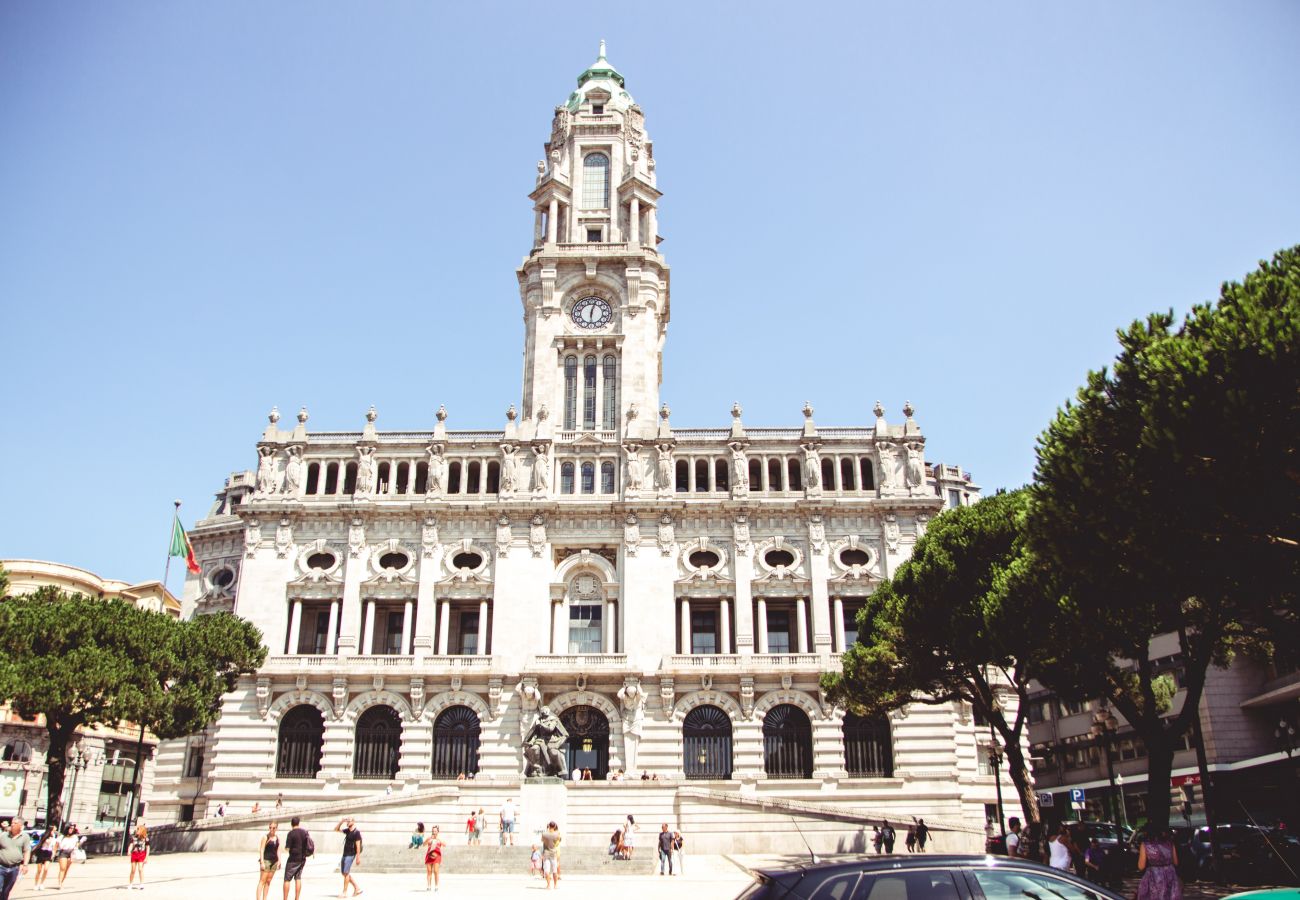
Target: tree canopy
column 83, row 662
column 959, row 621
column 1167, row 499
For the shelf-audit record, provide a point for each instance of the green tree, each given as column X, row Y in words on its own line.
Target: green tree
column 1167, row 499
column 81, row 662
column 959, row 621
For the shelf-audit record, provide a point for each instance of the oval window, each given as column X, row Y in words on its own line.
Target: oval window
column 855, row 557
column 223, row 578
column 393, row 560
column 466, row 561
column 320, row 561
column 776, row 558
column 704, row 559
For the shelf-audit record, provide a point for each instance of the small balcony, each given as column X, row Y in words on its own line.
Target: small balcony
column 750, row 663
column 580, row 662
column 377, row 664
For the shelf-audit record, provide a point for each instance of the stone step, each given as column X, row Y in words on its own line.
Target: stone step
column 493, row 860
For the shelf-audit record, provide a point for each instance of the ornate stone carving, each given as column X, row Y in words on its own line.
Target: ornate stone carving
column 631, row 534
column 340, row 696
column 494, row 697
column 634, row 469
column 739, row 467
column 922, row 520
column 293, row 470
column 664, row 468
column 252, row 537
column 812, row 469
column 631, row 700
column 740, row 535
column 667, row 535
column 537, row 535
column 530, row 700
column 429, row 537
column 356, row 537
column 667, row 698
column 263, row 695
column 437, row 471
column 541, row 467
column 283, row 538
column 366, row 471
column 787, row 681
column 747, row 695
column 504, row 536
column 417, row 693
column 892, row 534
column 266, row 474
column 915, row 466
column 817, row 534
column 457, row 681
column 506, row 488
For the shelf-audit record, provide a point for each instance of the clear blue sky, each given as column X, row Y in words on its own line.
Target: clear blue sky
column 210, row 208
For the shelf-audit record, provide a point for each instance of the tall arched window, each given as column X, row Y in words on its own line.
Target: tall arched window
column 828, row 475
column 456, row 734
column 588, row 478
column 378, row 743
column 721, row 479
column 566, row 478
column 570, row 392
column 701, row 475
column 595, row 181
column 609, row 391
column 774, row 475
column 332, row 478
column 453, row 478
column 846, row 475
column 706, row 743
column 755, row 474
column 607, row 478
column 683, row 476
column 473, row 471
column 589, row 392
column 313, row 478
column 794, row 471
column 868, row 748
column 787, row 743
column 868, row 474
column 298, row 749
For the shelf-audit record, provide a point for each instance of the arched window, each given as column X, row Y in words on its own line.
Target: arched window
column 828, row 475
column 595, row 181
column 378, row 743
column 403, row 482
column 298, row 749
column 588, row 478
column 787, row 743
column 570, row 392
column 683, row 476
column 350, row 479
column 868, row 748
column 313, row 477
column 421, row 478
column 868, row 474
column 589, row 392
column 609, row 390
column 566, row 478
column 607, row 478
column 701, row 475
column 794, row 473
column 774, row 475
column 384, row 480
column 472, row 473
column 456, row 734
column 453, row 478
column 847, row 475
column 588, row 746
column 706, row 743
column 493, row 477
column 755, row 474
column 721, row 475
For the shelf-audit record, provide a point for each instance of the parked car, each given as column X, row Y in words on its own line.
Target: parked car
column 1248, row 854
column 921, row 877
column 1109, row 834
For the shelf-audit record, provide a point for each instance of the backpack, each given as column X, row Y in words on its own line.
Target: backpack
column 309, row 847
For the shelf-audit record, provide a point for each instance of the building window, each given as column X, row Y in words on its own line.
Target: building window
column 566, row 478
column 755, row 474
column 609, row 387
column 456, row 734
column 795, row 471
column 378, row 743
column 597, row 109
column 115, row 792
column 683, row 476
column 868, row 474
column 302, row 734
column 778, row 631
column 706, row 743
column 588, row 478
column 585, row 625
column 787, row 743
column 392, row 640
column 954, row 499
column 193, row 761
column 570, row 392
column 704, row 631
column 468, row 642
column 607, row 478
column 589, row 392
column 593, row 235
column 595, row 181
column 851, row 610
column 868, row 748
column 774, row 475
column 846, row 475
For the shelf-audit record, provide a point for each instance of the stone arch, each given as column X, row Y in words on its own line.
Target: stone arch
column 570, row 566
column 439, row 703
column 363, row 702
column 579, row 284
column 801, row 699
column 290, row 699
column 723, row 701
column 563, row 701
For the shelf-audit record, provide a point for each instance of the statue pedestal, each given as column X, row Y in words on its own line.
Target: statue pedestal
column 541, row 800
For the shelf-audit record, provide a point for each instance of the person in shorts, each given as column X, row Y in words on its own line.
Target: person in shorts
column 139, row 853
column 298, row 846
column 551, row 855
column 433, row 861
column 46, row 847
column 508, row 823
column 15, row 852
column 351, row 854
column 69, row 844
column 268, row 860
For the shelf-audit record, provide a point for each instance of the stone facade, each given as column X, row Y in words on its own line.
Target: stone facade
column 588, row 556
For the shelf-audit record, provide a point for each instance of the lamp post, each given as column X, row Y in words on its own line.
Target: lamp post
column 1104, row 726
column 1285, row 735
column 77, row 761
column 995, row 763
column 1123, row 807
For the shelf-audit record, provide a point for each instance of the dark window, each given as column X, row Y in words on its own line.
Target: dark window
column 868, row 750
column 320, row 560
column 350, row 479
column 421, row 478
column 403, row 477
column 776, row 558
column 701, row 475
column 225, row 577
column 796, row 475
column 774, row 475
column 588, row 746
column 702, row 558
column 589, row 392
column 593, row 235
column 313, row 477
column 456, row 734
column 332, row 478
column 393, row 560
column 828, row 475
column 778, row 631
column 756, row 475
column 469, row 633
column 570, row 392
column 453, row 478
column 472, row 473
column 493, row 478
column 394, row 639
column 302, row 734
column 607, row 478
column 597, row 109
column 851, row 623
column 588, row 478
column 566, row 478
column 846, row 475
column 683, row 476
column 378, row 743
column 704, row 631
column 868, row 474
column 609, row 388
column 466, row 561
column 787, row 743
column 721, row 481
column 706, row 743
column 382, row 478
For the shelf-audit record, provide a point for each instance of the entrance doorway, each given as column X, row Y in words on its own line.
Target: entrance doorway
column 588, row 746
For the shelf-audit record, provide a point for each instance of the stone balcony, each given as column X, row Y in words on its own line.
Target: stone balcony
column 749, row 663
column 379, row 664
column 579, row 662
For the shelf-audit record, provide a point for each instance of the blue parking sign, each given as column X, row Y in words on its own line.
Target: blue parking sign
column 1076, row 795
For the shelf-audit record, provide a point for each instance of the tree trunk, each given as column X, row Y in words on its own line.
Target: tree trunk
column 1020, row 777
column 1160, row 764
column 56, row 761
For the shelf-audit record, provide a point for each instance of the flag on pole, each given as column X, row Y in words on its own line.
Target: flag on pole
column 181, row 546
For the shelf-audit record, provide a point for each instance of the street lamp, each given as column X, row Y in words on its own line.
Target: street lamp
column 1104, row 726
column 995, row 764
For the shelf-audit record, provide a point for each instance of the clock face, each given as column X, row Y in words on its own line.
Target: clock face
column 592, row 312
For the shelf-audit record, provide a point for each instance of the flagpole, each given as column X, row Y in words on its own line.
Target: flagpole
column 139, row 744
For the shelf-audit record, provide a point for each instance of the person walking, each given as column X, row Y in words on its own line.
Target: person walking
column 507, row 815
column 15, row 854
column 351, row 854
column 1158, row 863
column 1013, row 836
column 551, row 855
column 1058, row 849
column 887, row 837
column 268, row 859
column 910, row 841
column 139, row 854
column 298, row 845
column 471, row 828
column 665, row 849
column 46, row 847
column 679, row 853
column 922, row 835
column 877, row 839
column 433, row 861
column 480, row 826
column 69, row 844
column 279, row 801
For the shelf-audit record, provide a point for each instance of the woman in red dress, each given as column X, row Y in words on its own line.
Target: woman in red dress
column 432, row 860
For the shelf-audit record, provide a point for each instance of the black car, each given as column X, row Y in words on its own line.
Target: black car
column 920, row 877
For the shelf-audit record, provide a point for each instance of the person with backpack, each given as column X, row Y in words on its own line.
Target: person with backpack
column 298, row 846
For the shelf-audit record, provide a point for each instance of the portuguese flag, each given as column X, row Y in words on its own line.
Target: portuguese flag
column 181, row 546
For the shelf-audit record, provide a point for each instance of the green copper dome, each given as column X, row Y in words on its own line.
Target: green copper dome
column 600, row 69
column 600, row 74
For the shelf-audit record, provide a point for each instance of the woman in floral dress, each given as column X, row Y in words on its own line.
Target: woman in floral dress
column 1158, row 863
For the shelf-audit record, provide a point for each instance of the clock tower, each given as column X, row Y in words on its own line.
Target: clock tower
column 594, row 287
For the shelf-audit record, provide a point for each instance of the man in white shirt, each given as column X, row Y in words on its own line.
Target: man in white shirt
column 508, row 822
column 1013, row 839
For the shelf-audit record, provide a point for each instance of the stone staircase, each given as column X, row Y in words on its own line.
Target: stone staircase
column 485, row 859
